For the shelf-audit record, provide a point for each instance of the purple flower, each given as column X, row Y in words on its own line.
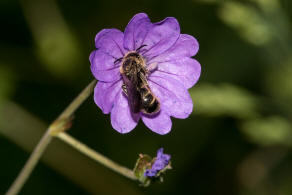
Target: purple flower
column 169, row 72
column 160, row 163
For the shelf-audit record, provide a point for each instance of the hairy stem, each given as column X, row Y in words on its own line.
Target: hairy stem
column 60, row 124
column 96, row 156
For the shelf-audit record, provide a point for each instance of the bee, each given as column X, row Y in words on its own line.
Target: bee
column 134, row 74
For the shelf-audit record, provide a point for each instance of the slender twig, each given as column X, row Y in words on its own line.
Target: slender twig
column 96, row 156
column 59, row 125
column 30, row 164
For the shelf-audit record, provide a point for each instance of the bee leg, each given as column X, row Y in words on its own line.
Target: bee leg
column 124, row 88
column 152, row 67
column 143, row 78
column 118, row 60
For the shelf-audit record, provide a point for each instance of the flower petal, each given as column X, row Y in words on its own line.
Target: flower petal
column 174, row 98
column 161, row 37
column 186, row 70
column 121, row 118
column 110, row 41
column 157, row 37
column 136, row 31
column 185, row 46
column 160, row 123
column 161, row 155
column 103, row 67
column 105, row 94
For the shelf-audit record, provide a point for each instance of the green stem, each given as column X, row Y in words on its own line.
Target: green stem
column 30, row 164
column 96, row 156
column 59, row 125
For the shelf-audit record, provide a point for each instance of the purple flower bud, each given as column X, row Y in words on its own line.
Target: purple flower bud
column 160, row 163
column 145, row 73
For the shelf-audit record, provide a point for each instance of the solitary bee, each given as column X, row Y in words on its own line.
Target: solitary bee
column 134, row 74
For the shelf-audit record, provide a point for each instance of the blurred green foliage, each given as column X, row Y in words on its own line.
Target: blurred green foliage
column 269, row 131
column 248, row 21
column 237, row 141
column 278, row 83
column 6, row 83
column 224, row 99
column 56, row 44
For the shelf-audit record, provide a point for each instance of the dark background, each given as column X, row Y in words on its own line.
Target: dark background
column 237, row 141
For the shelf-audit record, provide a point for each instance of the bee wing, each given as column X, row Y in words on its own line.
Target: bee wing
column 133, row 94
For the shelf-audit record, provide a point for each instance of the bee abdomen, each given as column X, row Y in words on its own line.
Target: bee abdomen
column 147, row 100
column 154, row 107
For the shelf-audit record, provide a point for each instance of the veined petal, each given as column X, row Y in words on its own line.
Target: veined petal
column 174, row 98
column 121, row 117
column 103, row 67
column 185, row 46
column 136, row 31
column 161, row 37
column 156, row 38
column 160, row 123
column 105, row 95
column 110, row 41
column 186, row 70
